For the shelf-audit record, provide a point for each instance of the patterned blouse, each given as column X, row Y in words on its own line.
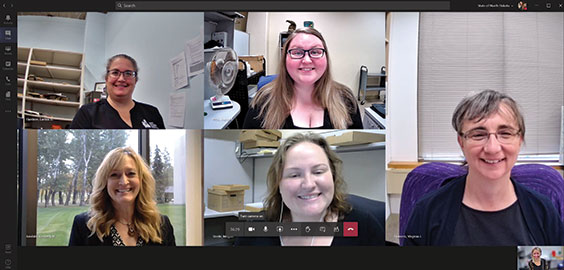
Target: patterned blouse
column 116, row 239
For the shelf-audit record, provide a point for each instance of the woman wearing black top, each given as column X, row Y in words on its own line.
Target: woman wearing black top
column 536, row 263
column 304, row 95
column 119, row 110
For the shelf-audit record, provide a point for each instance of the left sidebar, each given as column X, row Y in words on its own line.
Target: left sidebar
column 8, row 109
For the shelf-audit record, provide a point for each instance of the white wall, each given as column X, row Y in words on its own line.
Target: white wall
column 94, row 49
column 154, row 38
column 353, row 39
column 221, row 166
column 257, row 27
column 401, row 118
column 179, row 174
column 63, row 34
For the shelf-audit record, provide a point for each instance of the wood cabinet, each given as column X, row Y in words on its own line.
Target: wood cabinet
column 50, row 87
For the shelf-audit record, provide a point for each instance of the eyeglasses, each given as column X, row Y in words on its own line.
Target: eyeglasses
column 114, row 73
column 315, row 53
column 504, row 136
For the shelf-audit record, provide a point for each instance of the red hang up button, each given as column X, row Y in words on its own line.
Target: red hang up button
column 350, row 229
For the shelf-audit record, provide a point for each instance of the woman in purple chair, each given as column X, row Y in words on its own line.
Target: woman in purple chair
column 486, row 207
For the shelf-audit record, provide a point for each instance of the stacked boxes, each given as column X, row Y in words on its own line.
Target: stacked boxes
column 223, row 198
column 260, row 138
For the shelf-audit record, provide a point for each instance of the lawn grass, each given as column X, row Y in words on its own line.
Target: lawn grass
column 54, row 223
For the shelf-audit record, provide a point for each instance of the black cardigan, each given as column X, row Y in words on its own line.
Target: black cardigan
column 433, row 219
column 80, row 233
column 369, row 214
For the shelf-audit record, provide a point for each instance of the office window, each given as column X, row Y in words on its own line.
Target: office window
column 519, row 54
column 66, row 164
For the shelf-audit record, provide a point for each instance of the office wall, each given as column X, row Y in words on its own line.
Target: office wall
column 401, row 121
column 353, row 39
column 54, row 33
column 257, row 30
column 94, row 49
column 153, row 39
column 222, row 167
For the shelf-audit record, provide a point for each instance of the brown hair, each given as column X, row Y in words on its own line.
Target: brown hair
column 146, row 218
column 273, row 199
column 478, row 106
column 275, row 98
column 124, row 56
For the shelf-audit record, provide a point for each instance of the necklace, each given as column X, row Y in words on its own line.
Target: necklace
column 130, row 228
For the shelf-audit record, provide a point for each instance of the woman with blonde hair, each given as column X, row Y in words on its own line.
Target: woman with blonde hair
column 304, row 94
column 536, row 263
column 305, row 184
column 123, row 211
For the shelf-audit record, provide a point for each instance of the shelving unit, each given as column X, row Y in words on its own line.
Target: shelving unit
column 45, row 71
column 370, row 82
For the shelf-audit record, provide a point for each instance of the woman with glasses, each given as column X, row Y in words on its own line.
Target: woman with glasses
column 119, row 110
column 304, row 95
column 486, row 207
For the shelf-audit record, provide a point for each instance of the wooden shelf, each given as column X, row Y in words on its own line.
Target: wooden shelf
column 56, row 72
column 47, row 117
column 62, row 72
column 52, row 86
column 50, row 101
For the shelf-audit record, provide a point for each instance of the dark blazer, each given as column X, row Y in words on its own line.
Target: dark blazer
column 80, row 233
column 433, row 219
column 369, row 214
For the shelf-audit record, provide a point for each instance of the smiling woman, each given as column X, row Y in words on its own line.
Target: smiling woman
column 305, row 184
column 119, row 110
column 123, row 210
column 486, row 207
column 304, row 94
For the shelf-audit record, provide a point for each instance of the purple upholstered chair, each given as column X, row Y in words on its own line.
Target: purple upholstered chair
column 430, row 176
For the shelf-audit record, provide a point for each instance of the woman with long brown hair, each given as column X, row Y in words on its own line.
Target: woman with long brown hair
column 304, row 94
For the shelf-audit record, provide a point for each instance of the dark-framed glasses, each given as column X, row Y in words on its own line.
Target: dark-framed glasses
column 114, row 73
column 315, row 53
column 479, row 136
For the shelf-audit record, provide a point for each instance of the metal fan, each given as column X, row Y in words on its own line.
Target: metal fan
column 222, row 70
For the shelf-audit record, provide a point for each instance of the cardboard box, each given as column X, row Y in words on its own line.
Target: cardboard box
column 223, row 198
column 39, row 63
column 355, row 137
column 256, row 135
column 273, row 132
column 258, row 144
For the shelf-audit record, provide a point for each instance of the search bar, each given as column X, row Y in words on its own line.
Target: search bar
column 284, row 5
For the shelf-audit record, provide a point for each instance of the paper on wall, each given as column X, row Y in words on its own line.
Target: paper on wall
column 177, row 108
column 179, row 71
column 194, row 51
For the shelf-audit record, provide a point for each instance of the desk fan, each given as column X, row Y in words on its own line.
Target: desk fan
column 222, row 70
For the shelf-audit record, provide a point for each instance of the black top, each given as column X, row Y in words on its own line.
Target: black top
column 543, row 266
column 101, row 115
column 491, row 228
column 80, row 234
column 434, row 217
column 253, row 121
column 369, row 214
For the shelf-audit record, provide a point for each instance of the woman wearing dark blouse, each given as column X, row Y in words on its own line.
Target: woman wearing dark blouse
column 123, row 211
column 119, row 110
column 304, row 94
column 536, row 263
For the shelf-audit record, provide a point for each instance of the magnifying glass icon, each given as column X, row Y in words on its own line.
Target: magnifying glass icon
column 119, row 5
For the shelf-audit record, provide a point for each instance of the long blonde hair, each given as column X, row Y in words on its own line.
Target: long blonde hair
column 146, row 218
column 273, row 201
column 275, row 98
